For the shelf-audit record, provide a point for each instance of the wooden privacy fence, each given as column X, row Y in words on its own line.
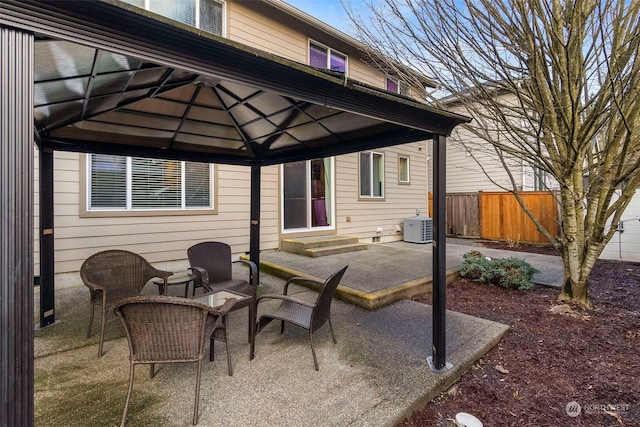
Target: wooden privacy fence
column 463, row 215
column 502, row 218
column 498, row 216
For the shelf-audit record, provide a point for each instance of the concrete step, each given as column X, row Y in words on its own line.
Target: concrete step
column 335, row 249
column 322, row 245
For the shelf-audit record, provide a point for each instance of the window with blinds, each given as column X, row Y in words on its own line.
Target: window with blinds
column 203, row 14
column 211, row 16
column 136, row 183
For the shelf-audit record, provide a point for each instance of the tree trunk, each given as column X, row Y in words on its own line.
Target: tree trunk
column 578, row 265
column 575, row 292
column 579, row 254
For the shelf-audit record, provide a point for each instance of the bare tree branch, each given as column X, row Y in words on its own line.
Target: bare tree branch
column 554, row 84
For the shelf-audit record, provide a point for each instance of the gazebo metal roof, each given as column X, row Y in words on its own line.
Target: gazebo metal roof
column 210, row 99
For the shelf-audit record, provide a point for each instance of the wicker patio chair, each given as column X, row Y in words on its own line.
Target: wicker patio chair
column 112, row 276
column 212, row 264
column 311, row 316
column 166, row 329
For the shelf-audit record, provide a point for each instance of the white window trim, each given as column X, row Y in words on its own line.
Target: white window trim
column 372, row 197
column 399, row 83
column 329, row 50
column 332, row 221
column 147, row 6
column 87, row 211
column 408, row 180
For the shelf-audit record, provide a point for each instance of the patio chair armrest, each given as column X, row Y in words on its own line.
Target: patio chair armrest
column 94, row 287
column 224, row 308
column 162, row 274
column 253, row 271
column 202, row 277
column 298, row 280
column 284, row 298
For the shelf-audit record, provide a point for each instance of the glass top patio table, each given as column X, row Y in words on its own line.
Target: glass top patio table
column 216, row 299
column 180, row 278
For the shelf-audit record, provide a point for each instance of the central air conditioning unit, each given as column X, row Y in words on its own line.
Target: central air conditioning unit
column 418, row 229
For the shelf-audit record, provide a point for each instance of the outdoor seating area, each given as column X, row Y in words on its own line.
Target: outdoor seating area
column 162, row 329
column 114, row 275
column 200, row 132
column 132, row 65
column 373, row 375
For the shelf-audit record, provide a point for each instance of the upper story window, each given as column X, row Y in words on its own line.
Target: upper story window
column 371, row 174
column 204, row 14
column 323, row 57
column 118, row 183
column 398, row 86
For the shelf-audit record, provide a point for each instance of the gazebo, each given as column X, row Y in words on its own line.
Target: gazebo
column 79, row 76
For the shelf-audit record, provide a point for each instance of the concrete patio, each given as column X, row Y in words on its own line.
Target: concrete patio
column 376, row 375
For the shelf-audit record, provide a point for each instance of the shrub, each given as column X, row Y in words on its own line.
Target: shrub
column 509, row 273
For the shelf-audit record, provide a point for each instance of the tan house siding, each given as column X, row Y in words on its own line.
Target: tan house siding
column 400, row 201
column 360, row 71
column 481, row 171
column 253, row 29
column 464, row 174
column 270, row 207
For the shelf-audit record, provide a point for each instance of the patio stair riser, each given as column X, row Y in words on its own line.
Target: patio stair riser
column 368, row 301
column 322, row 246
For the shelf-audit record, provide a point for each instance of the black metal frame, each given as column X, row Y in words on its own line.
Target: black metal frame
column 47, row 259
column 119, row 28
column 439, row 292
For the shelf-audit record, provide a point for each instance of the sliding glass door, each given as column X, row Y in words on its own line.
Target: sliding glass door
column 307, row 195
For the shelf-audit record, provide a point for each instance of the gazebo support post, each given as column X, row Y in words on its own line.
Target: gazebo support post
column 437, row 362
column 47, row 254
column 16, row 227
column 254, row 234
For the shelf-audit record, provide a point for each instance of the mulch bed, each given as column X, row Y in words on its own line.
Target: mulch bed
column 549, row 359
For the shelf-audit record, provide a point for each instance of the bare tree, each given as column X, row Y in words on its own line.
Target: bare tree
column 553, row 83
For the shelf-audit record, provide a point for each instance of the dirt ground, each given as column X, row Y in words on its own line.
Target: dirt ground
column 557, row 366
